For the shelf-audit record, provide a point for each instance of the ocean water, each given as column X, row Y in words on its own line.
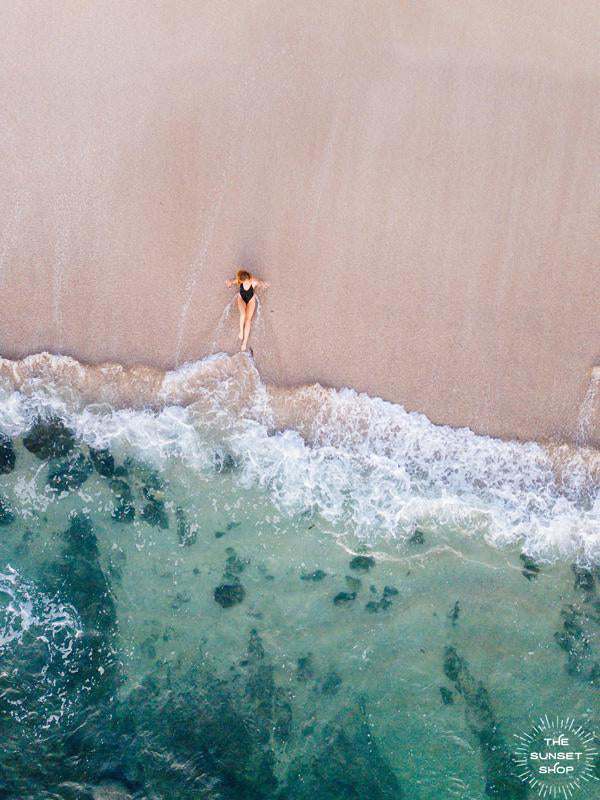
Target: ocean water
column 213, row 588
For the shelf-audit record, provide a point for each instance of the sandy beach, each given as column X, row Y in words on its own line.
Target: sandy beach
column 418, row 182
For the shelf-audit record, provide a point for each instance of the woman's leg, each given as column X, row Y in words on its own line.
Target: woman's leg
column 242, row 309
column 248, row 321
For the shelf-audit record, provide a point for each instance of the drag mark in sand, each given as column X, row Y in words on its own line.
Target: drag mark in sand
column 324, row 173
column 223, row 320
column 61, row 251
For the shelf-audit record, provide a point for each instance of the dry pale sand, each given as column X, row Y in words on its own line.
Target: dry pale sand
column 418, row 180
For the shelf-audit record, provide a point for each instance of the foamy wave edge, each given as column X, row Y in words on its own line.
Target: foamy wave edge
column 356, row 460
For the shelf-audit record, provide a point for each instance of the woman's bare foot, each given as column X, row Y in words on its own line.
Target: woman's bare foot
column 243, row 347
column 241, row 335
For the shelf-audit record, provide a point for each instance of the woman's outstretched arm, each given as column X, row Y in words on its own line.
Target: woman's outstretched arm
column 231, row 283
column 258, row 284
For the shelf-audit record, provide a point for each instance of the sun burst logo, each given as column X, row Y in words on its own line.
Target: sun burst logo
column 556, row 758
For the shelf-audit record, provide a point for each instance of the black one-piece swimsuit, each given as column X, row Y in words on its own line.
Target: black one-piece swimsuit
column 246, row 294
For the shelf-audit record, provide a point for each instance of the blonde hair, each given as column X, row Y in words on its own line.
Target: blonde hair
column 242, row 275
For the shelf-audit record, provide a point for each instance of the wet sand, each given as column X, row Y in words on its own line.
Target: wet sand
column 418, row 182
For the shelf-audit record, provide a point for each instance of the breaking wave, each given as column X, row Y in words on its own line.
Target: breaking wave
column 358, row 461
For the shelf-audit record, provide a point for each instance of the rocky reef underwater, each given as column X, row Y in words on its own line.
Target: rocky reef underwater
column 169, row 630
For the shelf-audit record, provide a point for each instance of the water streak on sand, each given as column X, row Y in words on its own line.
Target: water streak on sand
column 199, row 259
column 9, row 234
column 588, row 410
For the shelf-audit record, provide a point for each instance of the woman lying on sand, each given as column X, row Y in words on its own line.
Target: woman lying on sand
column 246, row 300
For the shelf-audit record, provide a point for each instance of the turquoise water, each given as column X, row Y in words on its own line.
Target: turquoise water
column 198, row 602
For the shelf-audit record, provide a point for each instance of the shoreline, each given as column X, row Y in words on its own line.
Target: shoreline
column 140, row 386
column 559, row 435
column 346, row 455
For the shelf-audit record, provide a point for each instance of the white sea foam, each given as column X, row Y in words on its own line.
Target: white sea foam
column 26, row 608
column 54, row 626
column 358, row 461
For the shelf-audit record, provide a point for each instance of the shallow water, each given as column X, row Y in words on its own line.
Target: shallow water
column 230, row 596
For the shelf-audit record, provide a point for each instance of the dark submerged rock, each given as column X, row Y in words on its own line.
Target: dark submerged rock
column 35, row 764
column 390, row 591
column 305, row 670
column 152, row 489
column 180, row 599
column 124, row 510
column 344, row 598
column 418, row 537
column 282, row 715
column 205, row 724
column 576, row 638
column 224, row 463
column 331, row 684
column 103, row 461
column 315, row 576
column 346, row 766
column 452, row 664
column 141, row 474
column 530, row 568
column 447, row 696
column 501, row 779
column 8, row 457
column 362, row 563
column 149, row 486
column 70, row 474
column 454, row 613
column 83, row 579
column 261, row 702
column 148, row 649
column 584, row 579
column 229, row 594
column 49, row 439
column 375, row 606
column 6, row 513
column 121, row 489
column 79, row 580
column 231, row 526
column 185, row 532
column 573, row 639
column 234, row 565
column 256, row 650
column 353, row 584
column 529, row 563
column 155, row 514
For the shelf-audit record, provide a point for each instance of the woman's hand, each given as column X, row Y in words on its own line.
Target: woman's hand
column 229, row 284
column 264, row 284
